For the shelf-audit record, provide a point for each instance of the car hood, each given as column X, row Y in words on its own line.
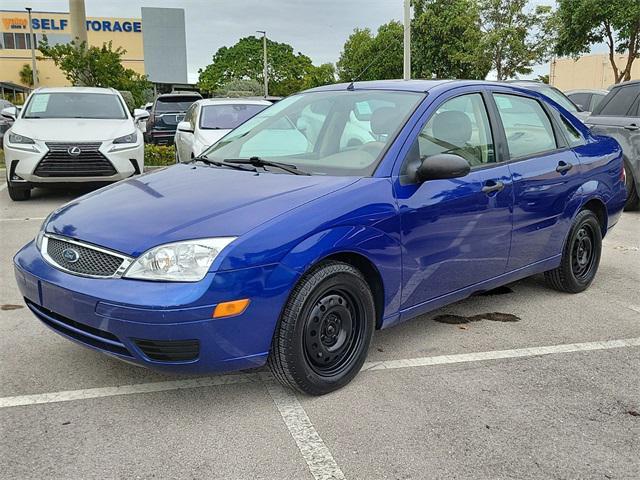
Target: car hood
column 72, row 129
column 184, row 202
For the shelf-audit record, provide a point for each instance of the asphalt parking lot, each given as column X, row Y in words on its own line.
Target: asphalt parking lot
column 553, row 392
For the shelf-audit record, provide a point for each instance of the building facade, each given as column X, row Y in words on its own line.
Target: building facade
column 588, row 71
column 15, row 42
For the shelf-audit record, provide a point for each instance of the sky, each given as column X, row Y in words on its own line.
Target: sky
column 317, row 28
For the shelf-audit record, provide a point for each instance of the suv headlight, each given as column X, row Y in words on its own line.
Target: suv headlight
column 187, row 261
column 21, row 139
column 129, row 138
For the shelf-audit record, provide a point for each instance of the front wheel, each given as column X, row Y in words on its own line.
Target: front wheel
column 18, row 194
column 633, row 199
column 324, row 333
column 580, row 256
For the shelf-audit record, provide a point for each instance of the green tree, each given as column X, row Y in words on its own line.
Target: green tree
column 446, row 40
column 96, row 67
column 243, row 61
column 26, row 75
column 582, row 23
column 514, row 38
column 372, row 57
column 324, row 74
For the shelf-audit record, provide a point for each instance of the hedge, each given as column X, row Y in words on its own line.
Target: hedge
column 159, row 155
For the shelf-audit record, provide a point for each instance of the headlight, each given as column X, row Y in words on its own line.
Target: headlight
column 17, row 138
column 187, row 261
column 130, row 138
column 41, row 231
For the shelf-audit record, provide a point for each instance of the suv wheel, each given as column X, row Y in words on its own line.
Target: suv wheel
column 580, row 256
column 18, row 194
column 633, row 200
column 324, row 333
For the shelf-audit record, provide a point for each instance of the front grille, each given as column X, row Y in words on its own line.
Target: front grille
column 90, row 162
column 89, row 261
column 79, row 331
column 170, row 350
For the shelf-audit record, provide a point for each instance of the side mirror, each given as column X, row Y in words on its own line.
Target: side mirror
column 10, row 112
column 185, row 127
column 441, row 166
column 140, row 114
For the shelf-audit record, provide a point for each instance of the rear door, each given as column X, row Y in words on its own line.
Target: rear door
column 546, row 176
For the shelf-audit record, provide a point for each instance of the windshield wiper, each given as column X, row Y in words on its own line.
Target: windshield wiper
column 261, row 162
column 216, row 163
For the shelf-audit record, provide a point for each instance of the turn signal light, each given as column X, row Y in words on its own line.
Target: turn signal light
column 229, row 309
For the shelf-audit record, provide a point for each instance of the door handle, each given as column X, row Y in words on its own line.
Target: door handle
column 632, row 127
column 564, row 167
column 491, row 187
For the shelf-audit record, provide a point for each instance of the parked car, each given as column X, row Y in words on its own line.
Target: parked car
column 168, row 110
column 70, row 135
column 207, row 121
column 294, row 256
column 587, row 100
column 554, row 94
column 618, row 116
column 5, row 122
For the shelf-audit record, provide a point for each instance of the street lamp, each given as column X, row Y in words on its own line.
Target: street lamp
column 265, row 72
column 32, row 42
column 407, row 40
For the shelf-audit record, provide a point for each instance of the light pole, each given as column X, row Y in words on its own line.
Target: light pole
column 407, row 40
column 33, row 51
column 265, row 72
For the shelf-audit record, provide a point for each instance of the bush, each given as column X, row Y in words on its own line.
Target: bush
column 159, row 155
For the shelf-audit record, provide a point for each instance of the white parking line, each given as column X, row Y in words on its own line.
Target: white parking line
column 85, row 394
column 69, row 395
column 313, row 449
column 500, row 354
column 21, row 219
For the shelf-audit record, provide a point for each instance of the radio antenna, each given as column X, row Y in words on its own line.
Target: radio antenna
column 377, row 57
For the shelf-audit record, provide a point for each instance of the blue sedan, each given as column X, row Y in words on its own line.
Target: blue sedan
column 335, row 212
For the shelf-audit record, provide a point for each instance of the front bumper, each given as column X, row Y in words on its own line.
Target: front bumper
column 113, row 316
column 23, row 164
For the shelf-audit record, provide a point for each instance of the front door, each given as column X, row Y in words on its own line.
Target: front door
column 457, row 232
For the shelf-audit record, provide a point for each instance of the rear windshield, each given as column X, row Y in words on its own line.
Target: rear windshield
column 174, row 104
column 75, row 105
column 224, row 117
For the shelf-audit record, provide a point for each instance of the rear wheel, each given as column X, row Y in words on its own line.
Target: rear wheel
column 633, row 200
column 325, row 330
column 18, row 194
column 580, row 257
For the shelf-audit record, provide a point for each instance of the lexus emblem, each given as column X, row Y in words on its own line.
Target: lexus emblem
column 74, row 151
column 70, row 255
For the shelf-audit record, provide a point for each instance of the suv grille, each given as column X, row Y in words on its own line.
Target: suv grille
column 89, row 162
column 89, row 261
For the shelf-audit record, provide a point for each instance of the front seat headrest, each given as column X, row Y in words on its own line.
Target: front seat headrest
column 452, row 127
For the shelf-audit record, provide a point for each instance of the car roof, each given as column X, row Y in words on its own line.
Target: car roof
column 233, row 101
column 179, row 94
column 398, row 84
column 106, row 91
column 587, row 90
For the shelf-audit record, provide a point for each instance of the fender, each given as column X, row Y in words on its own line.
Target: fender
column 379, row 248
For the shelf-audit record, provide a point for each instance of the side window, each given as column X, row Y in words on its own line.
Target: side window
column 573, row 136
column 526, row 125
column 459, row 126
column 581, row 99
column 190, row 116
column 596, row 98
column 620, row 101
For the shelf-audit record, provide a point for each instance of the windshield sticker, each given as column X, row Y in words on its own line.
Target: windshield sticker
column 39, row 103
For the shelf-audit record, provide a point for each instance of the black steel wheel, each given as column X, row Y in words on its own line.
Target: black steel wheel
column 324, row 333
column 580, row 256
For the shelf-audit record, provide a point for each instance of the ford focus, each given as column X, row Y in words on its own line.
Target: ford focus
column 331, row 214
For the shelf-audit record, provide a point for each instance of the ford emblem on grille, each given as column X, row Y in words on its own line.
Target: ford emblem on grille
column 70, row 255
column 74, row 151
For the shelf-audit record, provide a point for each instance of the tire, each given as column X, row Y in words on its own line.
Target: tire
column 580, row 256
column 324, row 332
column 18, row 194
column 633, row 200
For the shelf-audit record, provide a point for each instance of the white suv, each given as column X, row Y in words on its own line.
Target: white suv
column 71, row 134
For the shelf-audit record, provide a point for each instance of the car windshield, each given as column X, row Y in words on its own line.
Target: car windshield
column 75, row 105
column 559, row 98
column 174, row 104
column 323, row 133
column 227, row 116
